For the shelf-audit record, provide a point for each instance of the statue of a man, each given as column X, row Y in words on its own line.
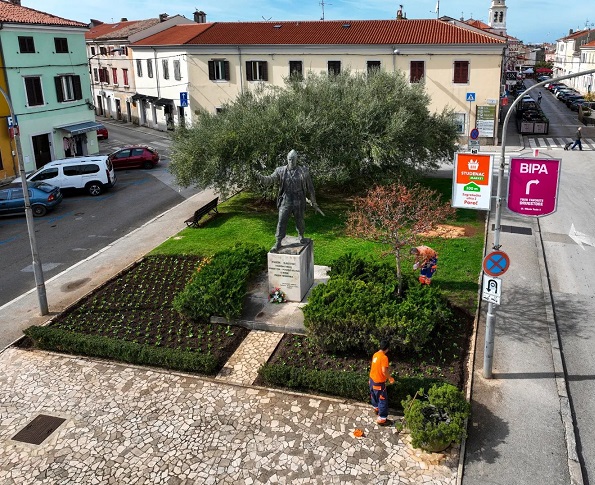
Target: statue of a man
column 295, row 185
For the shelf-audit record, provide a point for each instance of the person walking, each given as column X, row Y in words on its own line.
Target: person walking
column 426, row 259
column 379, row 374
column 577, row 139
column 539, row 98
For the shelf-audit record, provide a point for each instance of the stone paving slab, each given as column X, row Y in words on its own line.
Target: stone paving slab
column 131, row 425
column 242, row 367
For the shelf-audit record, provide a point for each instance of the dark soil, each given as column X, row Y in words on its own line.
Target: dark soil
column 137, row 306
column 444, row 359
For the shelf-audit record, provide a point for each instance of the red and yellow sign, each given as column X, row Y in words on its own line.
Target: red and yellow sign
column 472, row 184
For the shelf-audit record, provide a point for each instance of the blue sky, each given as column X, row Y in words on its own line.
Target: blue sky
column 531, row 21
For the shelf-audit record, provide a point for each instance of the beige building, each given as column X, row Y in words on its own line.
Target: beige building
column 460, row 66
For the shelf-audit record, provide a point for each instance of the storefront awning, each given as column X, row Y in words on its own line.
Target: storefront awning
column 162, row 102
column 78, row 128
column 136, row 96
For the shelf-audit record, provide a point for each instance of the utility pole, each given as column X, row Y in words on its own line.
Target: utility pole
column 322, row 4
column 37, row 269
column 488, row 355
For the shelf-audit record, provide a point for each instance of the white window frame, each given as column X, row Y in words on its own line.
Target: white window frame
column 461, row 122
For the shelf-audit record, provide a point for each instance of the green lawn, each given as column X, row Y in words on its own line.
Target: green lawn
column 249, row 219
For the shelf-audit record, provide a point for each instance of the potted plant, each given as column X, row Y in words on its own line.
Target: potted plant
column 436, row 419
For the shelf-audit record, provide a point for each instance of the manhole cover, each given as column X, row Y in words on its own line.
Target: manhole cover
column 38, row 430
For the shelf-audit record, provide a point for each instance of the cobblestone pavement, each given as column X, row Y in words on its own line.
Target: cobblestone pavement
column 242, row 367
column 129, row 425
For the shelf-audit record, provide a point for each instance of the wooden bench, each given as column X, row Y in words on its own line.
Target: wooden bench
column 203, row 211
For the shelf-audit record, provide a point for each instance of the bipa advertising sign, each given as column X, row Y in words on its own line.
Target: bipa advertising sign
column 472, row 181
column 533, row 186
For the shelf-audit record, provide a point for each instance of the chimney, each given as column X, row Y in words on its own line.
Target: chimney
column 15, row 2
column 123, row 19
column 163, row 17
column 95, row 22
column 200, row 17
column 570, row 32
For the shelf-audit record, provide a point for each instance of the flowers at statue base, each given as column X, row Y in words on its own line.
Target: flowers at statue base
column 277, row 296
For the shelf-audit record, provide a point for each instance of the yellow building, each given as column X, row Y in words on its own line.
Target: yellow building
column 8, row 163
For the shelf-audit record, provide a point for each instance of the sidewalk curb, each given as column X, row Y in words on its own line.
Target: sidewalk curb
column 574, row 466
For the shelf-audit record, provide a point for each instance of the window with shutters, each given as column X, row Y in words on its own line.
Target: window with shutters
column 257, row 71
column 373, row 66
column 103, row 75
column 461, row 72
column 103, row 50
column 61, row 45
column 96, row 74
column 416, row 71
column 150, row 67
column 296, row 69
column 334, row 68
column 177, row 70
column 165, row 65
column 34, row 91
column 139, row 68
column 26, row 45
column 68, row 88
column 115, row 75
column 218, row 70
column 125, row 76
column 92, row 50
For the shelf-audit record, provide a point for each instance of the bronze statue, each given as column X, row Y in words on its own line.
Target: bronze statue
column 295, row 185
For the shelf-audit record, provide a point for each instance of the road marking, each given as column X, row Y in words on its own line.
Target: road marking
column 581, row 238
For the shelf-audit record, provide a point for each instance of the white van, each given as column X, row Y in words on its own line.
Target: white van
column 94, row 174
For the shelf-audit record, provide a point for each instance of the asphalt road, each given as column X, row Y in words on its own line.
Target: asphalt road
column 81, row 224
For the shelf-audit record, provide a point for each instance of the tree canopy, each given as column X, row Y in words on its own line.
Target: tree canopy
column 350, row 129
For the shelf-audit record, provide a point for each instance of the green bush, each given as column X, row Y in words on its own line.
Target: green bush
column 358, row 308
column 58, row 340
column 349, row 385
column 437, row 419
column 220, row 286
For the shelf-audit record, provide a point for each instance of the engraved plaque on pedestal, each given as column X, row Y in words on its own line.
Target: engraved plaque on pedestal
column 292, row 268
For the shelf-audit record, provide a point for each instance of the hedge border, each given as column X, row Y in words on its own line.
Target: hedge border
column 58, row 340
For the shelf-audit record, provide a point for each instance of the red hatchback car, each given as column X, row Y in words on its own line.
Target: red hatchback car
column 102, row 133
column 134, row 156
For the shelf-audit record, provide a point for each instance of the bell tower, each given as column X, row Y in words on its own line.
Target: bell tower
column 497, row 17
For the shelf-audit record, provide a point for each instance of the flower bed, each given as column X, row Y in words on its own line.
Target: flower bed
column 136, row 308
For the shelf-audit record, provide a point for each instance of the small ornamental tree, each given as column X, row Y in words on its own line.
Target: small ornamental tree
column 397, row 215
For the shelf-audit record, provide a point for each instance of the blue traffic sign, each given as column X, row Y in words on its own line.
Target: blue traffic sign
column 496, row 263
column 474, row 134
column 470, row 96
column 184, row 99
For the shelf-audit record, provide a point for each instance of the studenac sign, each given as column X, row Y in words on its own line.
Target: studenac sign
column 472, row 181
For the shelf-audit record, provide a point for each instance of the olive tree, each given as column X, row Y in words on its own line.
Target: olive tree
column 350, row 129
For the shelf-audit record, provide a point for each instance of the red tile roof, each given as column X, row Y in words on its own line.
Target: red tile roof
column 119, row 30
column 16, row 14
column 578, row 33
column 477, row 24
column 347, row 32
column 176, row 35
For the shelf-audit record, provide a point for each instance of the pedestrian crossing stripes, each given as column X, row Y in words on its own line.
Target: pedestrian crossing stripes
column 557, row 142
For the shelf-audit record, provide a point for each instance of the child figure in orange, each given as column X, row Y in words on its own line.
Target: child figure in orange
column 426, row 259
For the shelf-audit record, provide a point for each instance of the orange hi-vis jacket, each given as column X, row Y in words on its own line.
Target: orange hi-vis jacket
column 426, row 253
column 379, row 360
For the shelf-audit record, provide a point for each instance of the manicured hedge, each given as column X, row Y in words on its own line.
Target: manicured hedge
column 359, row 307
column 218, row 288
column 55, row 339
column 350, row 385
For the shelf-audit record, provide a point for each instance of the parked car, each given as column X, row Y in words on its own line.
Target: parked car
column 102, row 133
column 563, row 94
column 569, row 99
column 134, row 156
column 555, row 87
column 543, row 78
column 42, row 197
column 93, row 174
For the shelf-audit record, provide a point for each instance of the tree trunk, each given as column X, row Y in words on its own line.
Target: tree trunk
column 399, row 274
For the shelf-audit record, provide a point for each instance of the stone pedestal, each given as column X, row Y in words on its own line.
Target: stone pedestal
column 292, row 268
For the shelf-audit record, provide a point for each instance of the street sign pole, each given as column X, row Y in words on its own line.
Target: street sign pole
column 491, row 316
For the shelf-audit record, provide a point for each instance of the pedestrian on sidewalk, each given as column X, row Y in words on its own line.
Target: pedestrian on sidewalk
column 379, row 374
column 426, row 260
column 577, row 139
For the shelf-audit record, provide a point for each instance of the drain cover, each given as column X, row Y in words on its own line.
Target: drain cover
column 39, row 429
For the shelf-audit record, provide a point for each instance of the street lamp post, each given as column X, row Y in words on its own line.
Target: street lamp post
column 491, row 316
column 37, row 268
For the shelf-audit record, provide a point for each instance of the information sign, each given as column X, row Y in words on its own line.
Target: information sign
column 472, row 181
column 533, row 186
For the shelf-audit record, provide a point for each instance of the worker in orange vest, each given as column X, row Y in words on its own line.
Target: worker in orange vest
column 426, row 260
column 379, row 374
